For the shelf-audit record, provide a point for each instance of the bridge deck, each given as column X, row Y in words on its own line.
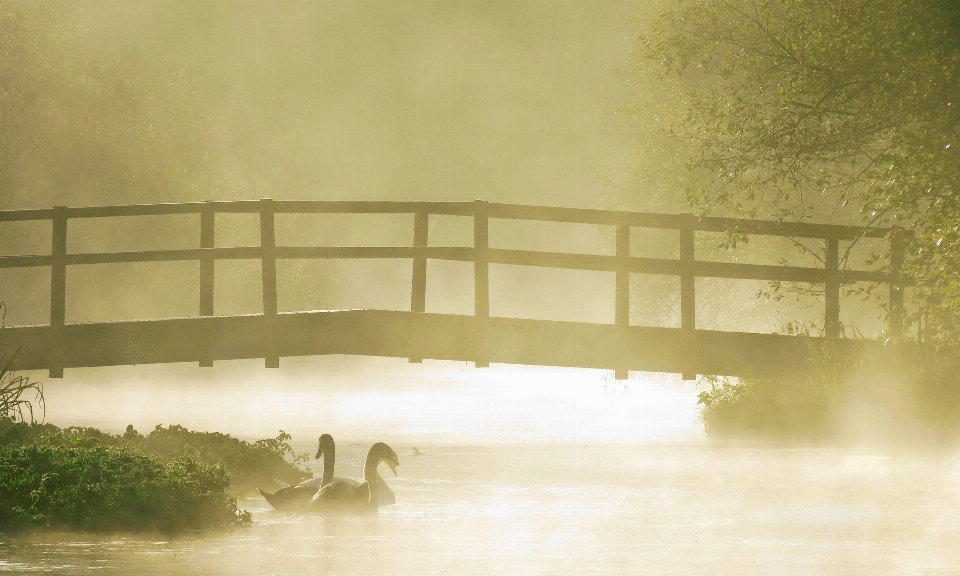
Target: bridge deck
column 409, row 335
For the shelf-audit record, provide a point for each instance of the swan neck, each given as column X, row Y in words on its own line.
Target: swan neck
column 371, row 476
column 329, row 459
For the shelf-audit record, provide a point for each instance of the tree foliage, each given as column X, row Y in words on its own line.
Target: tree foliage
column 78, row 128
column 816, row 109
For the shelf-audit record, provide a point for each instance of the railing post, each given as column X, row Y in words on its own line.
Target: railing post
column 622, row 312
column 831, row 290
column 481, row 280
column 207, row 219
column 58, row 291
column 418, row 288
column 897, row 249
column 688, row 297
column 268, row 268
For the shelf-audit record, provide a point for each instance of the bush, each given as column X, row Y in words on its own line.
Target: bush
column 111, row 489
column 914, row 385
column 788, row 408
column 247, row 465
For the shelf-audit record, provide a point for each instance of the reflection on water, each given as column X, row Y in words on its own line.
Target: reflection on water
column 561, row 509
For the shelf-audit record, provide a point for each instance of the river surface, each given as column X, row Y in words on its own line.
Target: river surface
column 648, row 508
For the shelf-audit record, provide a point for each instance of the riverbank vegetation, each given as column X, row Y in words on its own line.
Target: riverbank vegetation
column 169, row 480
column 245, row 464
column 109, row 489
column 893, row 396
column 839, row 112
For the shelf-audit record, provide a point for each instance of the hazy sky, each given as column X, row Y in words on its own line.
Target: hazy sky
column 504, row 100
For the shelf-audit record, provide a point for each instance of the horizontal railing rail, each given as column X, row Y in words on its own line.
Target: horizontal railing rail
column 687, row 267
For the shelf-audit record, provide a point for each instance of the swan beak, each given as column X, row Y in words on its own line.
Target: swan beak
column 319, row 454
column 393, row 466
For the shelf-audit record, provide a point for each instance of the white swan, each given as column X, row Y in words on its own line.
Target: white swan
column 296, row 497
column 347, row 496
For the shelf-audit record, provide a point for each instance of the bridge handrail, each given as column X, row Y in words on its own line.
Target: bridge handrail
column 494, row 210
column 623, row 264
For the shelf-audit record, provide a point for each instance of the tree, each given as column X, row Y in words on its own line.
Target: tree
column 78, row 128
column 816, row 109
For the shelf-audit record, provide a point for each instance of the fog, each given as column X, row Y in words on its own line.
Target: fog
column 525, row 469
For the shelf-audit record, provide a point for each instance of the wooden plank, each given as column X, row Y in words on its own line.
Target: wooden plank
column 495, row 210
column 673, row 221
column 26, row 261
column 738, row 271
column 233, row 253
column 371, row 207
column 163, row 209
column 701, row 268
column 582, row 216
column 595, row 262
column 688, row 305
column 58, row 287
column 622, row 298
column 418, row 287
column 268, row 268
column 831, row 290
column 23, row 215
column 207, row 240
column 789, row 229
column 459, row 253
column 603, row 263
column 481, row 279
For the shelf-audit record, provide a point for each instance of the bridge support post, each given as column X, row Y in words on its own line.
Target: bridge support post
column 481, row 280
column 207, row 219
column 622, row 312
column 688, row 295
column 418, row 288
column 831, row 290
column 268, row 268
column 58, row 290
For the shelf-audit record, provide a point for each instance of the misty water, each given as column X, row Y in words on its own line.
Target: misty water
column 692, row 508
column 522, row 472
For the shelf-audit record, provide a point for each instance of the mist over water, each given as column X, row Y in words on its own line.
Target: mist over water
column 524, row 470
column 382, row 399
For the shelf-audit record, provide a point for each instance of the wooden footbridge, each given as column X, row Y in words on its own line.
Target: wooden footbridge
column 418, row 334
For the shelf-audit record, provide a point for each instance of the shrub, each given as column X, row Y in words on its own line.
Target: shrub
column 110, row 489
column 919, row 386
column 787, row 408
column 247, row 465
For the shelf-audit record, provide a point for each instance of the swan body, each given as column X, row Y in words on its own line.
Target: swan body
column 289, row 497
column 347, row 497
column 296, row 497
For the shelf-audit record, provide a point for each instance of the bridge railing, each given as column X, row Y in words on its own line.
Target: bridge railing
column 687, row 267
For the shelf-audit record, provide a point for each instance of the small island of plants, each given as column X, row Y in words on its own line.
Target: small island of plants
column 169, row 480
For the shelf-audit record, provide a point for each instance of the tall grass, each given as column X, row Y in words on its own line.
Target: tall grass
column 18, row 393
